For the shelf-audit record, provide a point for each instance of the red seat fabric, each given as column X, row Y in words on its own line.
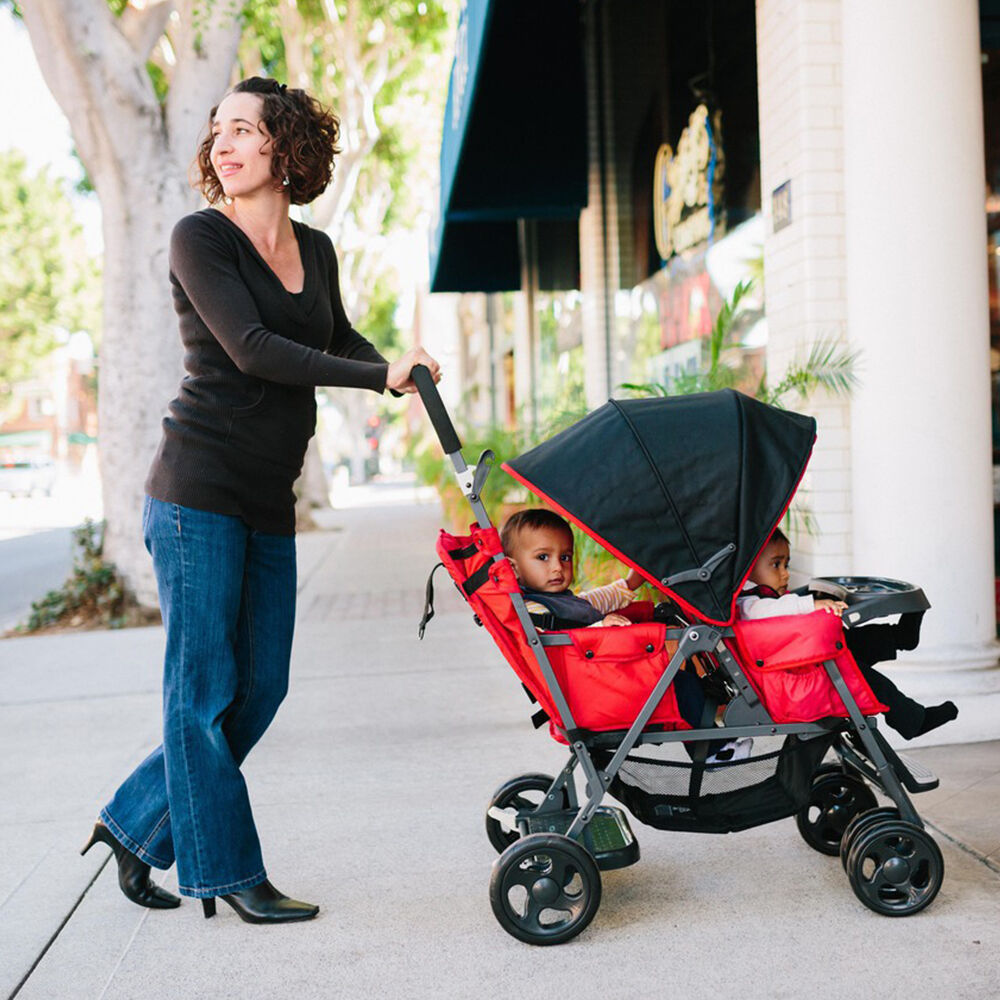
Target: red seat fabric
column 783, row 660
column 606, row 675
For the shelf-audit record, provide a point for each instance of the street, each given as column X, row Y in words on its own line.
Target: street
column 36, row 542
column 30, row 566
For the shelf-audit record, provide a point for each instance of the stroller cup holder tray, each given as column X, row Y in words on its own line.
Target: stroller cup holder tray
column 869, row 597
column 608, row 836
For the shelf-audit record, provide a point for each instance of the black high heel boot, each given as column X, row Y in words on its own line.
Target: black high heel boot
column 263, row 904
column 133, row 874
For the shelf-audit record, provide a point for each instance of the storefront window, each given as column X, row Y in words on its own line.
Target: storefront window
column 561, row 364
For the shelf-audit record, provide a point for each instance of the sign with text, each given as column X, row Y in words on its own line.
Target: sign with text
column 687, row 186
column 781, row 207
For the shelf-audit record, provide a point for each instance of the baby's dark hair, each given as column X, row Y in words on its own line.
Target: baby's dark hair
column 778, row 536
column 534, row 517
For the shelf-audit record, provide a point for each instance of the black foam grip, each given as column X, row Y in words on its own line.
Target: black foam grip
column 424, row 382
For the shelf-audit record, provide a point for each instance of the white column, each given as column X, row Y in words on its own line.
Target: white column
column 917, row 308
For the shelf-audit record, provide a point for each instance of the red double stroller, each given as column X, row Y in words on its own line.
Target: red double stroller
column 687, row 491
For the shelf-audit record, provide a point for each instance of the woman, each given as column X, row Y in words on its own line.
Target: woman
column 262, row 324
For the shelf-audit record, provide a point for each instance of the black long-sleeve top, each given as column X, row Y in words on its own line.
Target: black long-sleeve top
column 235, row 436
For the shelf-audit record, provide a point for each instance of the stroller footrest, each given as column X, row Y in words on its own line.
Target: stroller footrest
column 915, row 776
column 608, row 836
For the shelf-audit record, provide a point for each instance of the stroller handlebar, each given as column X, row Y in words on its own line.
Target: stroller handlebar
column 434, row 405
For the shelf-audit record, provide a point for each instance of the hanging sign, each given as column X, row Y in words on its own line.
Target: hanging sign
column 687, row 186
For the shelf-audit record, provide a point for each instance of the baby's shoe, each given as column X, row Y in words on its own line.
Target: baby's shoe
column 732, row 751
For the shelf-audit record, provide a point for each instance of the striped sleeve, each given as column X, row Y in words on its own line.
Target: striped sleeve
column 610, row 597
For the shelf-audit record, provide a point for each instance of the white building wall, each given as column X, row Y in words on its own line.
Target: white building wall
column 873, row 113
column 801, row 133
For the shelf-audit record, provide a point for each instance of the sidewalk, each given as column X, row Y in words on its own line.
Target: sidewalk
column 369, row 792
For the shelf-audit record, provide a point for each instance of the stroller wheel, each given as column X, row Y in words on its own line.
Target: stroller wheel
column 895, row 868
column 545, row 888
column 860, row 823
column 835, row 798
column 521, row 794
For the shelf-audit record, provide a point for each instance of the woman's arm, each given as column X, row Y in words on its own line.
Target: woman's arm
column 204, row 266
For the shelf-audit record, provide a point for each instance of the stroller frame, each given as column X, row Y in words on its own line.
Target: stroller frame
column 555, row 863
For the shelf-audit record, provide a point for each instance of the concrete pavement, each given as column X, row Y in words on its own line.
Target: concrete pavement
column 369, row 793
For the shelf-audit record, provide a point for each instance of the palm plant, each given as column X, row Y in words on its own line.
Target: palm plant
column 829, row 365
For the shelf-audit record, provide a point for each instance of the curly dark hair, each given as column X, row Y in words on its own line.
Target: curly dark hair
column 304, row 135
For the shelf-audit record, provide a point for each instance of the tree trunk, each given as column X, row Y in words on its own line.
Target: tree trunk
column 140, row 363
column 137, row 153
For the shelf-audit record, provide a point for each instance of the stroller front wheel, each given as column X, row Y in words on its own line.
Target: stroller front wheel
column 522, row 794
column 859, row 824
column 545, row 889
column 895, row 868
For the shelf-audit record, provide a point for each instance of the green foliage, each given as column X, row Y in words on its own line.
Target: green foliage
column 719, row 374
column 48, row 284
column 93, row 595
column 434, row 469
column 829, row 365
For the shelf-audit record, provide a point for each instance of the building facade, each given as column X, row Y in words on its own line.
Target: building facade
column 833, row 148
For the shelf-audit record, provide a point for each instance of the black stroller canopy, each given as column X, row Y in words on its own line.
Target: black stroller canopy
column 677, row 486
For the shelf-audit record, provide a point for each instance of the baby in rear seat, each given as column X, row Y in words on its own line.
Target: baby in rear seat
column 765, row 595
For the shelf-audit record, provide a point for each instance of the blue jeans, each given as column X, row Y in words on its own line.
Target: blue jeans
column 227, row 595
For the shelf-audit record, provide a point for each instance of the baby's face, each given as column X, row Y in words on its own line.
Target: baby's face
column 543, row 559
column 771, row 568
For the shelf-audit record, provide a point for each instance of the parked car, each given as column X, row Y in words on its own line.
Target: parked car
column 25, row 477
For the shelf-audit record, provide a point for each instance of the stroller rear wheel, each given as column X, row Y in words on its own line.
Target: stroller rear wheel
column 895, row 868
column 835, row 798
column 859, row 824
column 545, row 889
column 521, row 794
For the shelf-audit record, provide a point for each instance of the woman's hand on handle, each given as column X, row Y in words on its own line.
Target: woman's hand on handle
column 398, row 377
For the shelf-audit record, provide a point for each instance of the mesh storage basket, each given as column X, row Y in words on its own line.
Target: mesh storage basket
column 668, row 793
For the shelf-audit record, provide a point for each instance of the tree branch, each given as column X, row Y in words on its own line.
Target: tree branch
column 92, row 71
column 144, row 26
column 205, row 43
column 294, row 32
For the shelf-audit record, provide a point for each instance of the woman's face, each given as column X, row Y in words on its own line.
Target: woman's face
column 241, row 151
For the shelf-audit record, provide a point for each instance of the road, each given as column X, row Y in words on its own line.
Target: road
column 36, row 541
column 30, row 566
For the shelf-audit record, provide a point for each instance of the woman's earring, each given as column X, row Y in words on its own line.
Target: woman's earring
column 285, row 182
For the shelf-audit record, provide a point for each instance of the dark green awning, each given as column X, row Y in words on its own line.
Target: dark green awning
column 514, row 140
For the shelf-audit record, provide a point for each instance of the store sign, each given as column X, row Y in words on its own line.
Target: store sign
column 781, row 207
column 687, row 186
